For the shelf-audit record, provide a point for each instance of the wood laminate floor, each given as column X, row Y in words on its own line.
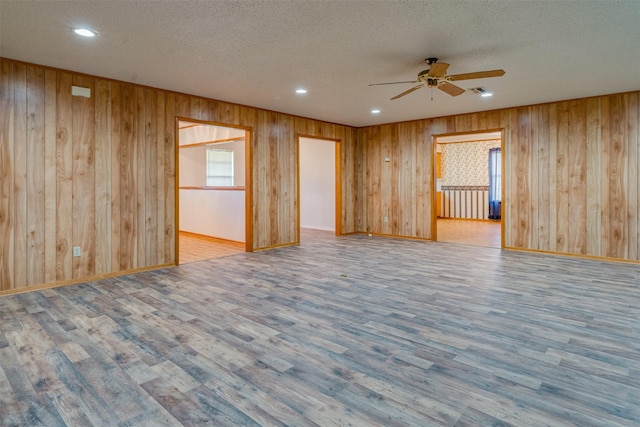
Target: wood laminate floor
column 351, row 331
column 470, row 232
column 196, row 247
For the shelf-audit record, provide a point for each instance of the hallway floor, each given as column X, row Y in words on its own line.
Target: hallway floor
column 470, row 232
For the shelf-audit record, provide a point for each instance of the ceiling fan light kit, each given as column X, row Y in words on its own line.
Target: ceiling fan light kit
column 436, row 77
column 480, row 91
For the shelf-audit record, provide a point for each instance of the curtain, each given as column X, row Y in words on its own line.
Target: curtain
column 495, row 183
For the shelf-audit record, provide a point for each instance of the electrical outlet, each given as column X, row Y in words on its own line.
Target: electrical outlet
column 76, row 251
column 385, row 219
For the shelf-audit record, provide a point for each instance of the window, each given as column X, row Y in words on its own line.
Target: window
column 219, row 168
column 495, row 183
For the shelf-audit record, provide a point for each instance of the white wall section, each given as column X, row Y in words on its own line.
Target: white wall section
column 317, row 184
column 217, row 213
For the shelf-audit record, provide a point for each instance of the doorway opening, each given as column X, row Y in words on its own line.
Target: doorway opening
column 214, row 191
column 319, row 189
column 468, row 196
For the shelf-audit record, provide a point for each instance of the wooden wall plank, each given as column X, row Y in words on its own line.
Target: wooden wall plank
column 423, row 169
column 562, row 177
column 360, row 168
column 534, row 184
column 169, row 181
column 346, row 193
column 103, row 173
column 288, row 219
column 350, row 172
column 634, row 126
column 633, row 172
column 116, row 167
column 50, row 175
column 7, row 161
column 35, row 156
column 140, row 175
column 604, row 185
column 544, row 169
column 64, row 180
column 520, row 176
column 274, row 175
column 553, row 177
column 577, row 174
column 388, row 176
column 615, row 148
column 263, row 171
column 594, row 178
column 84, row 233
column 374, row 188
column 159, row 147
column 20, row 176
column 151, row 177
column 128, row 192
column 394, row 181
column 504, row 120
column 404, row 213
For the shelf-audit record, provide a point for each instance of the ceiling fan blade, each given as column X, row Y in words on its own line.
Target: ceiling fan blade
column 477, row 75
column 451, row 89
column 391, row 83
column 407, row 92
column 439, row 69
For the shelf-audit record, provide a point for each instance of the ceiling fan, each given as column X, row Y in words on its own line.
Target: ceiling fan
column 436, row 76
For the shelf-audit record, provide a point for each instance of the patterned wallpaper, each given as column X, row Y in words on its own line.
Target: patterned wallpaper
column 466, row 163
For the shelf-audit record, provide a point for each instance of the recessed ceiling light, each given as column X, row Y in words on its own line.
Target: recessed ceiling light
column 85, row 32
column 375, row 111
column 486, row 94
column 301, row 91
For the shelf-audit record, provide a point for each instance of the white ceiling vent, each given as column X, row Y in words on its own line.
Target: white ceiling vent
column 478, row 90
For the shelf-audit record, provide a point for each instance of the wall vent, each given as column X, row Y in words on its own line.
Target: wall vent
column 85, row 92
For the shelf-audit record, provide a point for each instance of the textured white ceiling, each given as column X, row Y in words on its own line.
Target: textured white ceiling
column 257, row 52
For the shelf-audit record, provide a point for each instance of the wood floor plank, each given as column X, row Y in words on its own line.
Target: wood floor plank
column 354, row 330
column 196, row 247
column 176, row 403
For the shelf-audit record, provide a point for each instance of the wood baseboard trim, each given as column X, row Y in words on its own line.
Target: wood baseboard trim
column 393, row 236
column 209, row 238
column 45, row 286
column 440, row 218
column 266, row 248
column 570, row 255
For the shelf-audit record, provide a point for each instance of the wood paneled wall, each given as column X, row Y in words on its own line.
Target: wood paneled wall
column 571, row 183
column 99, row 173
